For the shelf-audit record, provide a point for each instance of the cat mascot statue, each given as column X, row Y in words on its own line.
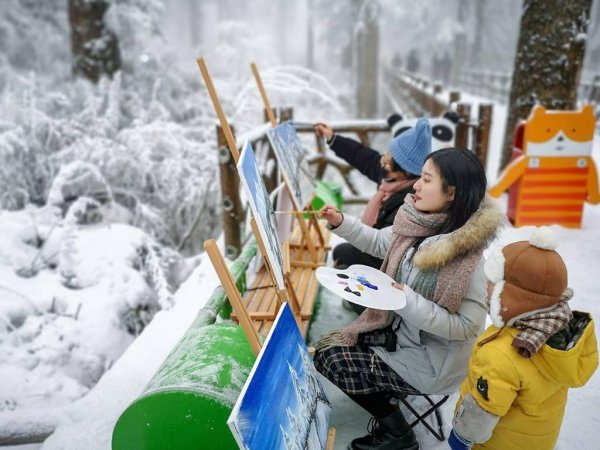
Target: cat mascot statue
column 556, row 174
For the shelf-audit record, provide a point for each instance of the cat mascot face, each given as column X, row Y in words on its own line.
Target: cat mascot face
column 560, row 133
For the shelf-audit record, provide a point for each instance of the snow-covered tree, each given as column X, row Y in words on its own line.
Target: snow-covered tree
column 95, row 47
column 549, row 60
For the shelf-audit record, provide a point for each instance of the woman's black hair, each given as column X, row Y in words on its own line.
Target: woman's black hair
column 460, row 169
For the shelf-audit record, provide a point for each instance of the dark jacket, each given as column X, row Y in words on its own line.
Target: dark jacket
column 368, row 162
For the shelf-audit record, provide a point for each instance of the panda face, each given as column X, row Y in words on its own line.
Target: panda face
column 443, row 131
column 400, row 131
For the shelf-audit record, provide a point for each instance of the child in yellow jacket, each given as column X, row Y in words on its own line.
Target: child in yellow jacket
column 522, row 366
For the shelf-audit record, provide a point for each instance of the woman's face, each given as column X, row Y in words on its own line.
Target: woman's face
column 429, row 191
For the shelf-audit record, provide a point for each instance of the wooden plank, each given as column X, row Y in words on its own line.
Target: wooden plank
column 261, row 315
column 306, row 264
column 262, row 304
column 309, row 295
column 294, row 245
column 293, row 299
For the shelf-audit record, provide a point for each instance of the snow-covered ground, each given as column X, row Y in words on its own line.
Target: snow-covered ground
column 90, row 286
column 88, row 423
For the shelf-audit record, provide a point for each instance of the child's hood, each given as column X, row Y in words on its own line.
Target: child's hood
column 574, row 366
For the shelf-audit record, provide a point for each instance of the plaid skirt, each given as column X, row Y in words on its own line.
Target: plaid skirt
column 358, row 370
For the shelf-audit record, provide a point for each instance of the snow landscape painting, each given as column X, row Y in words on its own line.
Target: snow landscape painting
column 283, row 405
column 290, row 154
column 262, row 211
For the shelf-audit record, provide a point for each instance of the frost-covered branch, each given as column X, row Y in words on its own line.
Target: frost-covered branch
column 28, row 426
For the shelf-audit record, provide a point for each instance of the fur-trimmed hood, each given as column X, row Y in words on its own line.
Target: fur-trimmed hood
column 477, row 233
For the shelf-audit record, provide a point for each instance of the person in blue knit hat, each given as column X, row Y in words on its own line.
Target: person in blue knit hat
column 395, row 172
column 410, row 148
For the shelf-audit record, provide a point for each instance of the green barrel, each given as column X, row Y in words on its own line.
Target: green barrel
column 188, row 401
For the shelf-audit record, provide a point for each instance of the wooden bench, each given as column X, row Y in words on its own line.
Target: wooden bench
column 261, row 298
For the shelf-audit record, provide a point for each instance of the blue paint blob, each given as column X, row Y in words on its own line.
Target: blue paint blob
column 362, row 280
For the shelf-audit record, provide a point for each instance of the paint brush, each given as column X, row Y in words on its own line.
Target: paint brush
column 297, row 212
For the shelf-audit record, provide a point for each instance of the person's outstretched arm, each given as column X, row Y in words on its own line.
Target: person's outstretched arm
column 369, row 240
column 366, row 160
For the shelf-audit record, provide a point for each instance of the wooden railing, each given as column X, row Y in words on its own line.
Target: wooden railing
column 496, row 85
column 234, row 213
column 420, row 97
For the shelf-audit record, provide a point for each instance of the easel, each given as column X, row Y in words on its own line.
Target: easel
column 245, row 317
column 282, row 295
column 238, row 305
column 312, row 220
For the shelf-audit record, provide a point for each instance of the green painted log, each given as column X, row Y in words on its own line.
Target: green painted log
column 187, row 402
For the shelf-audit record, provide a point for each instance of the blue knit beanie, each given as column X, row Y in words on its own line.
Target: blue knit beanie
column 410, row 148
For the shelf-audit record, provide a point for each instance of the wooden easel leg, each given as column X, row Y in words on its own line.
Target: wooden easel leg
column 233, row 294
column 315, row 223
column 280, row 293
column 307, row 238
column 330, row 439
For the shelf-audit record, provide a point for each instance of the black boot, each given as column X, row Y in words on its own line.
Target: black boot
column 389, row 433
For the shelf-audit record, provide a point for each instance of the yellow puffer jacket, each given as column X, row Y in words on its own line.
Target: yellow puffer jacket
column 529, row 395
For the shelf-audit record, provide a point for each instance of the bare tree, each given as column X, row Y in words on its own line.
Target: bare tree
column 460, row 41
column 310, row 36
column 95, row 48
column 548, row 62
column 479, row 25
column 195, row 20
column 367, row 59
column 592, row 54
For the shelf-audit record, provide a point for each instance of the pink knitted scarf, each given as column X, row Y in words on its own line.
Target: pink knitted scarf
column 444, row 284
column 386, row 190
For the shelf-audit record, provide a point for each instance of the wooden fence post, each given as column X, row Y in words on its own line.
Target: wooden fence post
column 454, row 96
column 438, row 107
column 233, row 213
column 482, row 139
column 286, row 114
column 272, row 178
column 462, row 128
column 594, row 92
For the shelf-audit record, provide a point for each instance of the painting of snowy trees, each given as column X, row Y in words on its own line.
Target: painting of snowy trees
column 283, row 404
column 262, row 211
column 289, row 152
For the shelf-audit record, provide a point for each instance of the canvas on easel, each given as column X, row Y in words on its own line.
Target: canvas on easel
column 262, row 226
column 296, row 414
column 262, row 211
column 289, row 154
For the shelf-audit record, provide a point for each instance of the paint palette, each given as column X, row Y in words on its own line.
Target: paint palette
column 363, row 285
